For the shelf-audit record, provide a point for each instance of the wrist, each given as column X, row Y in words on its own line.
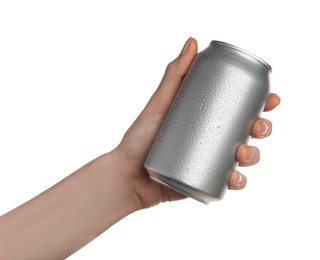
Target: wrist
column 119, row 182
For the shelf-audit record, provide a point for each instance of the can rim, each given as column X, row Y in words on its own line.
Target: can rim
column 245, row 52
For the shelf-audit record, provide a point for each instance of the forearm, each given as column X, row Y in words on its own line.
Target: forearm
column 69, row 215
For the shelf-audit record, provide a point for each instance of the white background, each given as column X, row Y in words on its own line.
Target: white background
column 75, row 74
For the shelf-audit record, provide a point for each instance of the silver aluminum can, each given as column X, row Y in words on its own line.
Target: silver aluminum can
column 221, row 96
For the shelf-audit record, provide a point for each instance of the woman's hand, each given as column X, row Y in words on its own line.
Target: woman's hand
column 70, row 214
column 139, row 138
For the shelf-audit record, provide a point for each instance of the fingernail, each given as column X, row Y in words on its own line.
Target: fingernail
column 249, row 153
column 264, row 128
column 186, row 46
column 240, row 178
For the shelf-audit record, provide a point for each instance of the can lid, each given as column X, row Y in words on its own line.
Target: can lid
column 243, row 51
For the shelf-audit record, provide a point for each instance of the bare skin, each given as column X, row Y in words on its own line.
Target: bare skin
column 76, row 210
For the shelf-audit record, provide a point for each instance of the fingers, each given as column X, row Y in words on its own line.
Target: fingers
column 247, row 155
column 237, row 181
column 177, row 68
column 173, row 77
column 261, row 128
column 272, row 102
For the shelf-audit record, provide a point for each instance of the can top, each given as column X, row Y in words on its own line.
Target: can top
column 243, row 51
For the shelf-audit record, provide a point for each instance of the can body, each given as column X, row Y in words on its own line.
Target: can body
column 221, row 96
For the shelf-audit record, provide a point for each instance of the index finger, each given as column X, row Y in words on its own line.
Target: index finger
column 272, row 102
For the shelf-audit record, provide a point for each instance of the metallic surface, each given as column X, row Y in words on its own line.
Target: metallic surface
column 221, row 96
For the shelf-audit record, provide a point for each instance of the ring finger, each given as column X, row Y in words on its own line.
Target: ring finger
column 247, row 155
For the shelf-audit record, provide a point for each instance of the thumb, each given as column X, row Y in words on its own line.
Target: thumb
column 171, row 81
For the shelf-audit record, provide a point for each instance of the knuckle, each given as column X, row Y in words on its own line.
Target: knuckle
column 171, row 66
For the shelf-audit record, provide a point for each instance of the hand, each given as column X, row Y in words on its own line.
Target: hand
column 93, row 198
column 138, row 140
